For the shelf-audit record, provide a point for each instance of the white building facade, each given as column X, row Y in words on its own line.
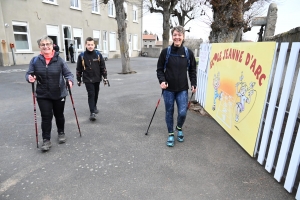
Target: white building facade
column 66, row 22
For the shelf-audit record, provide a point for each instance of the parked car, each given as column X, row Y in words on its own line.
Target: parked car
column 105, row 56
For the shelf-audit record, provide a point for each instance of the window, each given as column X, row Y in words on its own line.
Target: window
column 50, row 1
column 75, row 4
column 125, row 9
column 135, row 42
column 104, row 39
column 77, row 32
column 111, row 9
column 53, row 33
column 96, row 37
column 95, row 6
column 21, row 35
column 130, row 42
column 112, row 41
column 135, row 13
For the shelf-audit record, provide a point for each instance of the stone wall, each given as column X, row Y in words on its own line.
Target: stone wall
column 290, row 36
column 152, row 52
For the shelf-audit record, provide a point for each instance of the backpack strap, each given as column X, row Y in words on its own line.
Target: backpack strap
column 187, row 56
column 98, row 54
column 34, row 60
column 167, row 57
column 82, row 60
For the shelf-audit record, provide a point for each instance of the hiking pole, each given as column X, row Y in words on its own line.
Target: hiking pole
column 67, row 82
column 106, row 82
column 154, row 111
column 34, row 111
column 190, row 101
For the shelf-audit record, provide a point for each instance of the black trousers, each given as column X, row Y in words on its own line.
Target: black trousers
column 93, row 91
column 48, row 108
column 72, row 57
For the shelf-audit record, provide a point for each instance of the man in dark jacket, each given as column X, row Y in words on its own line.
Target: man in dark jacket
column 71, row 52
column 90, row 69
column 56, row 48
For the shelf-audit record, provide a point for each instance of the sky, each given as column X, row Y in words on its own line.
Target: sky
column 288, row 17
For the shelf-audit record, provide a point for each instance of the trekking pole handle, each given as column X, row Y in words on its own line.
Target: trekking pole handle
column 68, row 86
column 32, row 74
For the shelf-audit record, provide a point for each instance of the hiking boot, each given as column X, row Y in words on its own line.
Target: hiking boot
column 180, row 136
column 46, row 145
column 93, row 117
column 61, row 137
column 170, row 141
column 96, row 111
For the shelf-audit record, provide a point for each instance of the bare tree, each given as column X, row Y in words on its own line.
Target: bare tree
column 231, row 17
column 227, row 19
column 165, row 7
column 185, row 11
column 121, row 30
column 121, row 22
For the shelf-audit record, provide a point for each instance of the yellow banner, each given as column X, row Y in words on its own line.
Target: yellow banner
column 238, row 78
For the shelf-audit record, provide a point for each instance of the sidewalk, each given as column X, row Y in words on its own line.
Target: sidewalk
column 114, row 159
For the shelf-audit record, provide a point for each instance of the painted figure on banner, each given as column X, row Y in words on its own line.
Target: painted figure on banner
column 216, row 85
column 241, row 91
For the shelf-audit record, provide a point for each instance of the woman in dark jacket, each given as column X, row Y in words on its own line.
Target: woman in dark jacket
column 171, row 71
column 50, row 70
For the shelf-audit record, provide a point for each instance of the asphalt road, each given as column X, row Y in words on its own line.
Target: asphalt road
column 114, row 159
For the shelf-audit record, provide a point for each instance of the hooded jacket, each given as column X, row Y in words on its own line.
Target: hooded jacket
column 176, row 70
column 50, row 78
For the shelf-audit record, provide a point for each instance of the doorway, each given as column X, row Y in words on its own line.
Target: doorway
column 67, row 40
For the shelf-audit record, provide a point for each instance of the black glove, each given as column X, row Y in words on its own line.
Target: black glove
column 78, row 81
column 105, row 81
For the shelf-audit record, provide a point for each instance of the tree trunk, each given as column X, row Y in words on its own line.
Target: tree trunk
column 167, row 8
column 228, row 20
column 166, row 27
column 120, row 17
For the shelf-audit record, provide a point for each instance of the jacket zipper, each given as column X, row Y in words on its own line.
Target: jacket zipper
column 47, row 77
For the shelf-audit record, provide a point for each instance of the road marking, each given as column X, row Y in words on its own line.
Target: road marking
column 12, row 70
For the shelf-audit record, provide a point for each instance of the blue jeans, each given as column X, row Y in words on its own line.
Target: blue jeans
column 93, row 91
column 181, row 99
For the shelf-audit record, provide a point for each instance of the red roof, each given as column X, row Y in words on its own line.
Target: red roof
column 149, row 37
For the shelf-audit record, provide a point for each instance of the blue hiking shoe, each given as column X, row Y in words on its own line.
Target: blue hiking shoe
column 180, row 136
column 170, row 141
